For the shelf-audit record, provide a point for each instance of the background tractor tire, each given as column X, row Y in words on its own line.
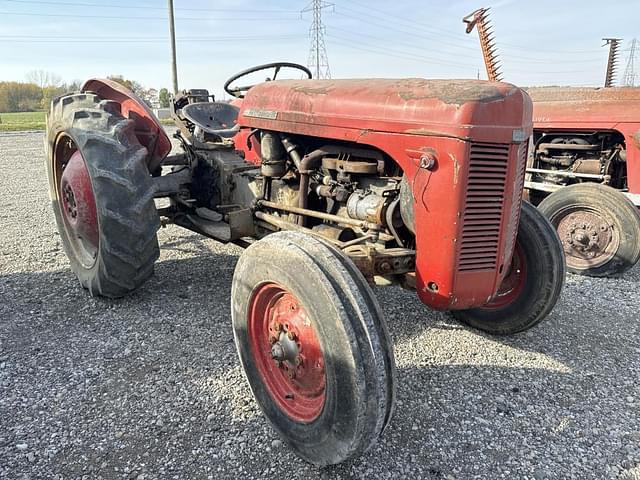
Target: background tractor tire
column 531, row 288
column 598, row 226
column 102, row 194
column 338, row 405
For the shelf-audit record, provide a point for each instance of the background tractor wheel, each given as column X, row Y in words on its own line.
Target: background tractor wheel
column 313, row 345
column 533, row 284
column 598, row 226
column 102, row 194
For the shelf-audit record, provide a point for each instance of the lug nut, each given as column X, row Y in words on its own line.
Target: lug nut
column 298, row 361
column 273, row 339
column 277, row 352
column 291, row 335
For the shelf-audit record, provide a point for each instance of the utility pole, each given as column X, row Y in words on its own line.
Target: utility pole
column 612, row 63
column 629, row 79
column 318, row 61
column 174, row 64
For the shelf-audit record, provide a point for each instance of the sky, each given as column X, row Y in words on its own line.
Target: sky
column 541, row 42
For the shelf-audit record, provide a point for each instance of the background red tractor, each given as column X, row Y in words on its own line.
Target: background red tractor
column 584, row 173
column 331, row 186
column 584, row 167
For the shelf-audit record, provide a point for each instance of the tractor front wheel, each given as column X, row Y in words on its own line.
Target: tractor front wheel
column 313, row 345
column 102, row 194
column 532, row 285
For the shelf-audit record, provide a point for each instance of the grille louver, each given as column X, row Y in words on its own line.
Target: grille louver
column 482, row 218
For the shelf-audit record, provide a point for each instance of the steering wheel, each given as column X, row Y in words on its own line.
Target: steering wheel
column 239, row 92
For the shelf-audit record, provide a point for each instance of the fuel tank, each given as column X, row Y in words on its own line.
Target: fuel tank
column 462, row 147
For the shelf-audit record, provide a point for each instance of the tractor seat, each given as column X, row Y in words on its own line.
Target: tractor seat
column 215, row 118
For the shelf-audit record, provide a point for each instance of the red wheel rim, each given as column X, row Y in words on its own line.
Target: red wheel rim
column 77, row 202
column 513, row 284
column 287, row 352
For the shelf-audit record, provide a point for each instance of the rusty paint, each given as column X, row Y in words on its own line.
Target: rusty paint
column 456, row 168
column 431, row 133
column 313, row 91
column 456, row 92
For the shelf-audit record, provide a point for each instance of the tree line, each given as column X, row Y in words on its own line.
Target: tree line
column 41, row 87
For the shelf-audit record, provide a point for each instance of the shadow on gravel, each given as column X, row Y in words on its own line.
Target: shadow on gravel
column 150, row 385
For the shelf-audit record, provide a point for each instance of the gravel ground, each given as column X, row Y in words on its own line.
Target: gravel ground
column 150, row 386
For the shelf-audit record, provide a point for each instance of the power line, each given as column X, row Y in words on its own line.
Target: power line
column 137, row 40
column 318, row 59
column 390, row 53
column 164, row 19
column 423, row 58
column 397, row 43
column 142, row 7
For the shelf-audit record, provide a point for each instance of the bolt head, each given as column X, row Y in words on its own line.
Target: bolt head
column 277, row 352
column 291, row 335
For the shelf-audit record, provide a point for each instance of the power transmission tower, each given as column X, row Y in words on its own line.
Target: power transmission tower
column 629, row 79
column 318, row 61
column 612, row 63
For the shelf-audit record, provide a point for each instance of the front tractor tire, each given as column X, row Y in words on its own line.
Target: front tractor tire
column 102, row 194
column 313, row 345
column 598, row 226
column 532, row 285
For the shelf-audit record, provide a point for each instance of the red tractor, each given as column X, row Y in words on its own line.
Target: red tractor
column 584, row 173
column 332, row 185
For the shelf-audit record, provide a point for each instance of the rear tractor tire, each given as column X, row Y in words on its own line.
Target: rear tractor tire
column 532, row 285
column 313, row 345
column 598, row 226
column 102, row 194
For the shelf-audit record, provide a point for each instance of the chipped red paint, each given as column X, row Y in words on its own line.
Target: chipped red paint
column 592, row 109
column 148, row 130
column 403, row 118
column 296, row 382
column 78, row 205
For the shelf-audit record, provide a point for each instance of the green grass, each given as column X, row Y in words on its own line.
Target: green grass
column 10, row 122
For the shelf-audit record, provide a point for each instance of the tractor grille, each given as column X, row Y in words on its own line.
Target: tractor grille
column 482, row 218
column 516, row 203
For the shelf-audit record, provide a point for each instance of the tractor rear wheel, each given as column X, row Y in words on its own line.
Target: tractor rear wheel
column 532, row 285
column 598, row 226
column 102, row 194
column 313, row 345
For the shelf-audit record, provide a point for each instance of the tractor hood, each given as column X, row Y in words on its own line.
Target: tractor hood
column 604, row 107
column 451, row 108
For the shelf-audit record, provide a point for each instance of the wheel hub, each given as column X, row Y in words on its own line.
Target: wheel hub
column 589, row 240
column 287, row 352
column 78, row 207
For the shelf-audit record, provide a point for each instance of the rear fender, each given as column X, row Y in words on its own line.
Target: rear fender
column 148, row 129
